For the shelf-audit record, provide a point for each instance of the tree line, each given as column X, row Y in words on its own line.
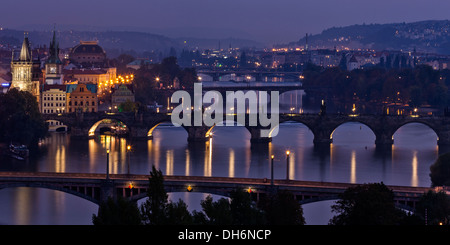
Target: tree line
column 418, row 86
column 149, row 80
column 278, row 208
column 365, row 204
column 20, row 119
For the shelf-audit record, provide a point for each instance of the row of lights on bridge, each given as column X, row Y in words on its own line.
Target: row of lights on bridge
column 190, row 188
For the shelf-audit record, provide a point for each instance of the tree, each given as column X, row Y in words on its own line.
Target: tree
column 343, row 62
column 238, row 210
column 128, row 106
column 434, row 207
column 440, row 171
column 20, row 119
column 367, row 204
column 157, row 210
column 214, row 213
column 117, row 212
column 243, row 60
column 243, row 210
column 282, row 209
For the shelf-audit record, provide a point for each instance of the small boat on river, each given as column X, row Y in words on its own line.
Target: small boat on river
column 19, row 152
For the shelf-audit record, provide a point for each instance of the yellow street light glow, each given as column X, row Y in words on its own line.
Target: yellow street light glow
column 288, row 152
column 272, row 156
column 189, row 188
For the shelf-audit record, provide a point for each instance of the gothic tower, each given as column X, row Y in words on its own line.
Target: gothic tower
column 21, row 69
column 53, row 65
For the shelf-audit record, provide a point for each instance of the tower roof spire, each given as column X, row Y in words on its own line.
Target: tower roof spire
column 54, row 50
column 25, row 52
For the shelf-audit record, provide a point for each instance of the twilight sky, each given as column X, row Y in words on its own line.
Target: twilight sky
column 268, row 21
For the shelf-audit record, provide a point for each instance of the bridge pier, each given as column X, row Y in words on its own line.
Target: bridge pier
column 322, row 138
column 384, row 141
column 256, row 137
column 444, row 138
column 139, row 132
column 106, row 190
column 198, row 133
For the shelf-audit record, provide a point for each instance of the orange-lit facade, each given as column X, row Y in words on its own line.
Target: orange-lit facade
column 82, row 97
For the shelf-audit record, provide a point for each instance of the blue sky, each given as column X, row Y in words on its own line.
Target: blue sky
column 268, row 21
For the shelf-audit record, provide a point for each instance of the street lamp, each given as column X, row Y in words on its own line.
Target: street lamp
column 128, row 152
column 107, row 164
column 271, row 170
column 287, row 165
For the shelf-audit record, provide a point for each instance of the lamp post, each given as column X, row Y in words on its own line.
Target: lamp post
column 107, row 164
column 271, row 170
column 287, row 165
column 128, row 152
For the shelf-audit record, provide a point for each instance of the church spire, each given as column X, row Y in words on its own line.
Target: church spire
column 25, row 52
column 54, row 50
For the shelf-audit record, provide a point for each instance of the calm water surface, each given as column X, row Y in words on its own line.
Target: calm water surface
column 351, row 158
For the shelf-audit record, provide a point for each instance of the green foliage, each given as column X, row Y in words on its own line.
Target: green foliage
column 214, row 213
column 20, row 119
column 148, row 79
column 128, row 106
column 416, row 86
column 367, row 204
column 435, row 206
column 120, row 212
column 239, row 209
column 157, row 210
column 440, row 171
column 283, row 209
column 244, row 210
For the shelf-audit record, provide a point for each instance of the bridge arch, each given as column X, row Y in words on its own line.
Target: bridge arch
column 291, row 122
column 356, row 122
column 92, row 195
column 121, row 128
column 56, row 125
column 154, row 125
column 428, row 125
column 224, row 123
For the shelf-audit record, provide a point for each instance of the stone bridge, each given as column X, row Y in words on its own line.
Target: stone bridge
column 141, row 126
column 97, row 188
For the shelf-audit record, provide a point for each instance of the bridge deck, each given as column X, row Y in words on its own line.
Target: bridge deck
column 51, row 176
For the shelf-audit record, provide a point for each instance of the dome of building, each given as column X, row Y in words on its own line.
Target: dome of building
column 87, row 52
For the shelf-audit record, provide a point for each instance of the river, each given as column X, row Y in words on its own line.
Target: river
column 351, row 158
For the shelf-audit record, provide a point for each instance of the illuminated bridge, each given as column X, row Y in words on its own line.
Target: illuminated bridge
column 98, row 187
column 141, row 126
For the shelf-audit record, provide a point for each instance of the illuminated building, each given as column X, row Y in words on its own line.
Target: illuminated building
column 25, row 71
column 82, row 97
column 53, row 65
column 53, row 98
column 122, row 94
column 88, row 54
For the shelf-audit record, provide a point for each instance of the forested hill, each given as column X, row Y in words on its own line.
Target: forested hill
column 119, row 41
column 431, row 36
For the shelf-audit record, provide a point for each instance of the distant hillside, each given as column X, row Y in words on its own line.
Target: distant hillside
column 115, row 42
column 428, row 36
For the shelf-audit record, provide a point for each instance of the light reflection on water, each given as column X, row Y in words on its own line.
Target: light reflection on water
column 351, row 158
